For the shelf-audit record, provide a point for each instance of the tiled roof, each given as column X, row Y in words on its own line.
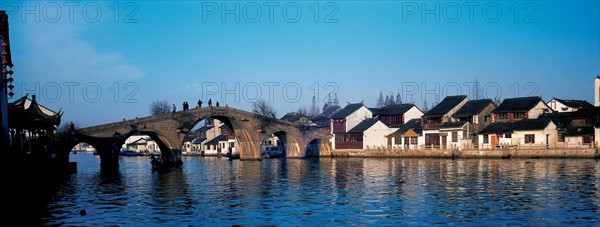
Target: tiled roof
column 330, row 110
column 414, row 124
column 364, row 125
column 522, row 125
column 392, row 109
column 216, row 140
column 575, row 103
column 560, row 119
column 445, row 106
column 204, row 128
column 579, row 131
column 593, row 112
column 326, row 113
column 292, row 117
column 349, row 109
column 518, row 104
column 198, row 140
column 472, row 107
column 449, row 125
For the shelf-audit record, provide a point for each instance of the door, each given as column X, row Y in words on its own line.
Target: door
column 444, row 142
column 494, row 140
column 406, row 141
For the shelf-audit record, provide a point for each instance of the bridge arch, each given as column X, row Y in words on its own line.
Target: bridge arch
column 171, row 129
column 290, row 143
column 243, row 138
column 313, row 148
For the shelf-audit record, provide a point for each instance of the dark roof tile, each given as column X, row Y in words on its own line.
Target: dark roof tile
column 216, row 140
column 364, row 125
column 392, row 109
column 579, row 131
column 449, row 125
column 292, row 117
column 518, row 104
column 473, row 107
column 445, row 106
column 414, row 124
column 349, row 109
column 579, row 104
column 522, row 125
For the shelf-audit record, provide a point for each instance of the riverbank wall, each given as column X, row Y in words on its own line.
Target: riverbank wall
column 499, row 153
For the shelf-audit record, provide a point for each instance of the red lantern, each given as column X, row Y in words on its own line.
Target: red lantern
column 4, row 53
column 3, row 45
column 4, row 71
column 4, row 62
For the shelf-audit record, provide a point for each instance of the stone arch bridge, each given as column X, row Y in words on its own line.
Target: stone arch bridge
column 169, row 131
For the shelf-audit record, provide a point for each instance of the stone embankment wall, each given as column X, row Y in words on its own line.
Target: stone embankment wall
column 500, row 153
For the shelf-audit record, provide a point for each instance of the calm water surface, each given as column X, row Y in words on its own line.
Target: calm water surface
column 217, row 192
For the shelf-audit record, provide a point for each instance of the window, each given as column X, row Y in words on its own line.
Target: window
column 561, row 135
column 502, row 116
column 486, row 138
column 588, row 139
column 519, row 115
column 529, row 138
column 454, row 137
column 507, row 135
column 413, row 140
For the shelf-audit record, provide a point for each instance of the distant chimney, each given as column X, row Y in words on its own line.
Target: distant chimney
column 597, row 91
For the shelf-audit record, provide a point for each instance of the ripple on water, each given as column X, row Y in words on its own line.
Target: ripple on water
column 217, row 192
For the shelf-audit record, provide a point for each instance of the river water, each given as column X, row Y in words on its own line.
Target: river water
column 340, row 191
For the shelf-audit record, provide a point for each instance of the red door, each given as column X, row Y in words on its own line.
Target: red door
column 494, row 140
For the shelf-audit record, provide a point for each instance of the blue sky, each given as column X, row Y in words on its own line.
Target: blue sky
column 103, row 67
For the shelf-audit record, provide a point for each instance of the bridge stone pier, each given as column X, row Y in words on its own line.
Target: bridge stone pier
column 169, row 131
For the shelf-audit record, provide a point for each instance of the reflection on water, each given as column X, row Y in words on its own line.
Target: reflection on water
column 213, row 191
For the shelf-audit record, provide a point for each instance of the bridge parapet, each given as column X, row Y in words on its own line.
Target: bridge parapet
column 170, row 129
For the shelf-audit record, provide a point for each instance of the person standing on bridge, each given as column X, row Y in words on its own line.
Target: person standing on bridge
column 174, row 108
column 217, row 104
column 199, row 103
column 209, row 102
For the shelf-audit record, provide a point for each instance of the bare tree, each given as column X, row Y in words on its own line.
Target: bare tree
column 303, row 111
column 380, row 101
column 159, row 107
column 185, row 121
column 314, row 108
column 264, row 112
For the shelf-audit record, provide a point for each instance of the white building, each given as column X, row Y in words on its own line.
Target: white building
column 408, row 136
column 527, row 133
column 516, row 109
column 437, row 116
column 562, row 105
column 141, row 143
column 454, row 132
column 346, row 119
column 371, row 134
column 597, row 91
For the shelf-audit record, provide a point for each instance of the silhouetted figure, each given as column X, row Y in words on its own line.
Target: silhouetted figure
column 187, row 106
column 71, row 127
column 217, row 104
column 210, row 103
column 174, row 108
column 199, row 103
